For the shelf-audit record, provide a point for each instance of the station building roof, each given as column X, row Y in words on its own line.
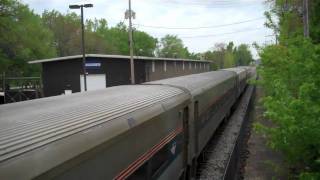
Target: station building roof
column 114, row 57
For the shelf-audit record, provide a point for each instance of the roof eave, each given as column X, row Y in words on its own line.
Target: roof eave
column 111, row 56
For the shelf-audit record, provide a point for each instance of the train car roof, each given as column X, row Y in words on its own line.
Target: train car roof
column 237, row 70
column 196, row 83
column 38, row 135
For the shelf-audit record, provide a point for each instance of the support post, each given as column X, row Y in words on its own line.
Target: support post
column 83, row 52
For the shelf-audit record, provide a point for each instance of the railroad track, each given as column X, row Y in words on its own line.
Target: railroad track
column 221, row 157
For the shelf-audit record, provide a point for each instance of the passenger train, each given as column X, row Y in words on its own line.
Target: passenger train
column 154, row 130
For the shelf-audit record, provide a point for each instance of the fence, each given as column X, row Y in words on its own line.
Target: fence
column 15, row 89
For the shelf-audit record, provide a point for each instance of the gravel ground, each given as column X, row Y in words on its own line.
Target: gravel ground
column 259, row 162
column 214, row 160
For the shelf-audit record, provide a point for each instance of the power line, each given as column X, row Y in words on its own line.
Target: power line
column 215, row 4
column 271, row 35
column 221, row 34
column 232, row 2
column 201, row 27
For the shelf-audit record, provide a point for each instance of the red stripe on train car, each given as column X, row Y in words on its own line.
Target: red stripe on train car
column 147, row 155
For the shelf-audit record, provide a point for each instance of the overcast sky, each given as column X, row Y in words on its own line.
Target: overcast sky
column 181, row 14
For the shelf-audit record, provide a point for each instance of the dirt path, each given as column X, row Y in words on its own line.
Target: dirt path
column 262, row 163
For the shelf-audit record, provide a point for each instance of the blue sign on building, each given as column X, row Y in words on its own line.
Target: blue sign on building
column 93, row 64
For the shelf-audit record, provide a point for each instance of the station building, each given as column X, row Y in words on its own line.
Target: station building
column 65, row 74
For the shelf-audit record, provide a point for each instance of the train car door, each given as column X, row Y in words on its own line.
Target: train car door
column 185, row 119
column 196, row 125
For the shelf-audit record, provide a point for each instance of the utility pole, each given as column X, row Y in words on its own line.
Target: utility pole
column 129, row 15
column 306, row 18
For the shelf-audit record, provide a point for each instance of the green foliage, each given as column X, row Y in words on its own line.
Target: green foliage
column 66, row 41
column 26, row 36
column 310, row 176
column 144, row 44
column 22, row 37
column 99, row 38
column 118, row 37
column 172, row 46
column 291, row 79
column 229, row 56
column 228, row 60
column 242, row 55
column 217, row 55
column 314, row 21
column 290, row 75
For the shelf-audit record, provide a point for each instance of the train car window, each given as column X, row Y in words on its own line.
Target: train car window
column 154, row 167
column 159, row 161
column 186, row 134
column 141, row 173
column 162, row 159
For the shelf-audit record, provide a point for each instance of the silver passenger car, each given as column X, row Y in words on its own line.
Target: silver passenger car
column 242, row 75
column 213, row 94
column 92, row 135
column 150, row 131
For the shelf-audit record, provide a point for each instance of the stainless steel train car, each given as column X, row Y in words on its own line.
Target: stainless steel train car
column 242, row 74
column 150, row 131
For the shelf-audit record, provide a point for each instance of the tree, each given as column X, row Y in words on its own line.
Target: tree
column 172, row 46
column 67, row 33
column 314, row 21
column 144, row 44
column 117, row 39
column 66, row 30
column 23, row 37
column 290, row 72
column 227, row 56
column 290, row 78
column 219, row 51
column 95, row 33
column 230, row 46
column 242, row 55
column 229, row 60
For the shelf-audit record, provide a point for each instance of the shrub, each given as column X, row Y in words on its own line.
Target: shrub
column 290, row 76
